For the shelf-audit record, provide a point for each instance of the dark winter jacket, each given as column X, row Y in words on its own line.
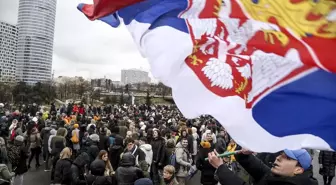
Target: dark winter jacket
column 115, row 151
column 21, row 166
column 63, row 172
column 78, row 169
column 158, row 147
column 45, row 134
column 207, row 170
column 97, row 177
column 328, row 161
column 221, row 144
column 104, row 142
column 127, row 173
column 93, row 151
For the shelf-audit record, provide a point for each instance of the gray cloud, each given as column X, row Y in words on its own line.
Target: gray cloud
column 9, row 11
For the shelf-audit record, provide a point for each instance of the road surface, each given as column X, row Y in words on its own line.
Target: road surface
column 40, row 177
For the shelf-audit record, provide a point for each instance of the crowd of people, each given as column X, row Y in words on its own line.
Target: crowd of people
column 139, row 145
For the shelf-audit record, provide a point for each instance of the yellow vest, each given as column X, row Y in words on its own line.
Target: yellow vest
column 232, row 149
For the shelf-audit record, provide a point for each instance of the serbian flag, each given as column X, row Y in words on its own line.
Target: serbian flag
column 264, row 69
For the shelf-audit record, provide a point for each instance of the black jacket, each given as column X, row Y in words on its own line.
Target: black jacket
column 127, row 173
column 45, row 134
column 78, row 169
column 104, row 142
column 158, row 147
column 98, row 180
column 115, row 151
column 207, row 171
column 21, row 167
column 261, row 174
column 63, row 172
column 93, row 151
column 97, row 177
column 221, row 144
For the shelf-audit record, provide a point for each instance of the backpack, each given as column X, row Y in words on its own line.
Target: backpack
column 14, row 155
column 173, row 162
column 74, row 138
column 111, row 140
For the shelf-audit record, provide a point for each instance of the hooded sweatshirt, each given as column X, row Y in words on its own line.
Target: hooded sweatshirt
column 52, row 134
column 147, row 149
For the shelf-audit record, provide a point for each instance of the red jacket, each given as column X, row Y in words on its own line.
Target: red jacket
column 75, row 109
column 81, row 110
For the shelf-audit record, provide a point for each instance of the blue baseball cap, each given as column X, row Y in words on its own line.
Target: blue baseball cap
column 302, row 156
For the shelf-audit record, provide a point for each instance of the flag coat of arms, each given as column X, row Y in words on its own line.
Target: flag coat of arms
column 264, row 69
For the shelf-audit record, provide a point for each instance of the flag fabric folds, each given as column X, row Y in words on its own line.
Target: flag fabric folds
column 264, row 69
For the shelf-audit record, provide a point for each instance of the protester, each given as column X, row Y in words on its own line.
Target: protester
column 18, row 156
column 96, row 176
column 75, row 139
column 183, row 158
column 158, row 147
column 327, row 161
column 127, row 172
column 63, row 173
column 148, row 152
column 207, row 171
column 35, row 147
column 169, row 175
column 115, row 152
column 143, row 181
column 140, row 141
column 78, row 169
column 134, row 150
column 103, row 155
column 291, row 167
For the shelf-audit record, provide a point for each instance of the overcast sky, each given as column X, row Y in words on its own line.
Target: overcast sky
column 82, row 47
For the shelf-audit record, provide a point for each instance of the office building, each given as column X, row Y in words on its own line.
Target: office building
column 8, row 41
column 36, row 25
column 102, row 83
column 132, row 76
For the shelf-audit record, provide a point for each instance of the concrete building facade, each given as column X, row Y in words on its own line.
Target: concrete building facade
column 132, row 76
column 8, row 43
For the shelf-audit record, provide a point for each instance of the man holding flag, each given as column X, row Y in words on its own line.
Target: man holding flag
column 292, row 167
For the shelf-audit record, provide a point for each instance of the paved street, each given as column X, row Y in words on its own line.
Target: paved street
column 39, row 177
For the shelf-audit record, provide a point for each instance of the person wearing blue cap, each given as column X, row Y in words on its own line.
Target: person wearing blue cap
column 291, row 167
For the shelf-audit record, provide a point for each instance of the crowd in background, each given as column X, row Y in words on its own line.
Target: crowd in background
column 119, row 145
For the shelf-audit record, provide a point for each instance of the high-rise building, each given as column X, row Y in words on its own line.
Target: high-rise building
column 132, row 76
column 8, row 41
column 36, row 24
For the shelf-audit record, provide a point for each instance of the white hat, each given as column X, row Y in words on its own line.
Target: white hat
column 35, row 119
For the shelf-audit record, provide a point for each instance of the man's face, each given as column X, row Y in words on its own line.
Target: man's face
column 209, row 137
column 185, row 143
column 285, row 166
column 155, row 134
column 130, row 146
